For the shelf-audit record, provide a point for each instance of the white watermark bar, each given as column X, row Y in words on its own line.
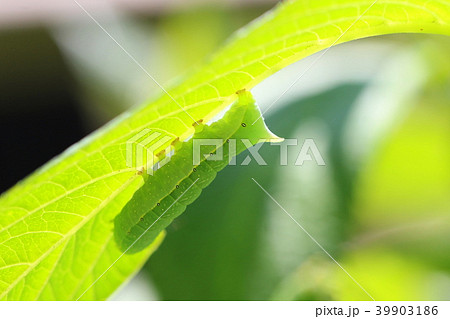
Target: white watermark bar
column 226, row 310
column 145, row 151
column 309, row 152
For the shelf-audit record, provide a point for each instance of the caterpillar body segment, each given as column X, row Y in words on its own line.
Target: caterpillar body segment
column 165, row 194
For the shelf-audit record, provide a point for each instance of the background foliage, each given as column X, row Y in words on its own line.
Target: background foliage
column 384, row 204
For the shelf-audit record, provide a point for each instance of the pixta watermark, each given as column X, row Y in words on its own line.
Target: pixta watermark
column 145, row 151
column 308, row 151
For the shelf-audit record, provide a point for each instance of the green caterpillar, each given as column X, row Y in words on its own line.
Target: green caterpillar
column 165, row 195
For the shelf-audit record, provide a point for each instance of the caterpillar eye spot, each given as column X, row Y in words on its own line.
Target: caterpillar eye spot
column 177, row 186
column 244, row 125
column 228, row 140
column 194, row 169
column 157, row 204
column 211, row 154
column 141, row 219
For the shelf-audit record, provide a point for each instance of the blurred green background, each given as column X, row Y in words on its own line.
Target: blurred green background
column 378, row 110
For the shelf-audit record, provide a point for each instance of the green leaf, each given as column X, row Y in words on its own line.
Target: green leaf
column 178, row 183
column 56, row 226
column 262, row 244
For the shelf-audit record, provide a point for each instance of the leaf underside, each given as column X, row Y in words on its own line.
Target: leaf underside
column 167, row 192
